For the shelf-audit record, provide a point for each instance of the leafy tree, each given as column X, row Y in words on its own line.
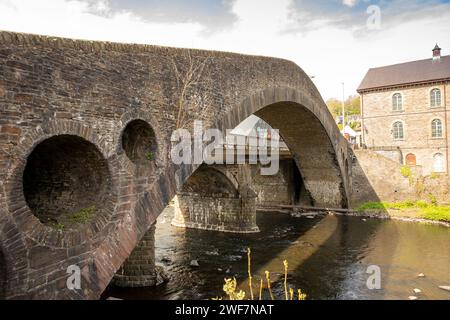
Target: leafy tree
column 352, row 106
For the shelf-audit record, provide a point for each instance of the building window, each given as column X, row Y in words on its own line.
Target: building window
column 438, row 162
column 397, row 130
column 397, row 102
column 436, row 128
column 435, row 98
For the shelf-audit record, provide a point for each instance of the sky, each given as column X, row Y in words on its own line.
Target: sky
column 333, row 41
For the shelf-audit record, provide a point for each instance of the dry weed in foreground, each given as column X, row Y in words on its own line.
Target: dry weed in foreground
column 230, row 285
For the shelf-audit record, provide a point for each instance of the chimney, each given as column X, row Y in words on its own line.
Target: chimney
column 436, row 53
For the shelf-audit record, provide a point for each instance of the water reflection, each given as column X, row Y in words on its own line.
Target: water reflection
column 328, row 258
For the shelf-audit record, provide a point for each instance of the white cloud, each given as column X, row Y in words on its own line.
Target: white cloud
column 349, row 3
column 331, row 54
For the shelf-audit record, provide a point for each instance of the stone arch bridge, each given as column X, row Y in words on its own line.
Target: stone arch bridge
column 85, row 133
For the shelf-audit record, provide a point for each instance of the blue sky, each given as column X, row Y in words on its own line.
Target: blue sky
column 330, row 39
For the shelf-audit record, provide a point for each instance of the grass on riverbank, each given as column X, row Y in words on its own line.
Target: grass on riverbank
column 418, row 209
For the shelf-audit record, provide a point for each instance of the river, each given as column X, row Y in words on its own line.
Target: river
column 328, row 258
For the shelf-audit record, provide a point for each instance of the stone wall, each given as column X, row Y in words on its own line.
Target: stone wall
column 3, row 276
column 215, row 213
column 139, row 268
column 219, row 198
column 285, row 187
column 416, row 115
column 377, row 178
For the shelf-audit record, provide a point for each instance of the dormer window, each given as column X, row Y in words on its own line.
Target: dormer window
column 435, row 98
column 397, row 102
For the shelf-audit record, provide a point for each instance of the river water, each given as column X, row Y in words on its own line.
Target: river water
column 328, row 258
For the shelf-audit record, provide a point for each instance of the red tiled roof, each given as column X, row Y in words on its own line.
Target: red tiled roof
column 406, row 73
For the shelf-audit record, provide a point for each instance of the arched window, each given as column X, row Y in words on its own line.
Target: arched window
column 435, row 98
column 438, row 162
column 397, row 130
column 436, row 128
column 397, row 102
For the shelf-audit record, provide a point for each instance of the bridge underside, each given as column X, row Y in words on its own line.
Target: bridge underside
column 85, row 133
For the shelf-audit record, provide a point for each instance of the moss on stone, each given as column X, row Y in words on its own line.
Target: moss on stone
column 83, row 215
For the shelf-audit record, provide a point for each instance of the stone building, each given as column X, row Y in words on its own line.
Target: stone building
column 405, row 109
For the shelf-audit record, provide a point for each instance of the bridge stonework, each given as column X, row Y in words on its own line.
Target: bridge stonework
column 110, row 109
column 219, row 198
column 139, row 268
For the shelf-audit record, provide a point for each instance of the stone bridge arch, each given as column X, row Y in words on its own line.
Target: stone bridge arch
column 311, row 135
column 94, row 94
column 213, row 198
column 319, row 150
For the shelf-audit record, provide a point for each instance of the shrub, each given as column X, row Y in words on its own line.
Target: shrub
column 434, row 175
column 406, row 171
column 433, row 199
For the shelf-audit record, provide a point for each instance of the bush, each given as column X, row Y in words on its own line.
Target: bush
column 406, row 171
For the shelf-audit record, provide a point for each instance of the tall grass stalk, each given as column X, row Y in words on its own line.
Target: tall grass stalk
column 268, row 284
column 285, row 279
column 249, row 273
column 260, row 288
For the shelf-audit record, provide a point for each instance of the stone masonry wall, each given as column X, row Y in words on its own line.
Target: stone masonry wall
column 416, row 115
column 215, row 213
column 139, row 269
column 218, row 197
column 276, row 189
column 377, row 178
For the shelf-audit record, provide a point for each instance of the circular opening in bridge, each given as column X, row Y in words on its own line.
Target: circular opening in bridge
column 66, row 181
column 139, row 142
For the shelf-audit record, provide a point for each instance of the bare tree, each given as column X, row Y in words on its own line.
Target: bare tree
column 189, row 74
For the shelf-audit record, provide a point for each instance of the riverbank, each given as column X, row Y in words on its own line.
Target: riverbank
column 405, row 216
column 413, row 211
column 408, row 211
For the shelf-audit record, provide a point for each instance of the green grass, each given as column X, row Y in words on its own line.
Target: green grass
column 83, row 215
column 430, row 211
column 436, row 213
column 59, row 226
column 150, row 156
column 371, row 206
